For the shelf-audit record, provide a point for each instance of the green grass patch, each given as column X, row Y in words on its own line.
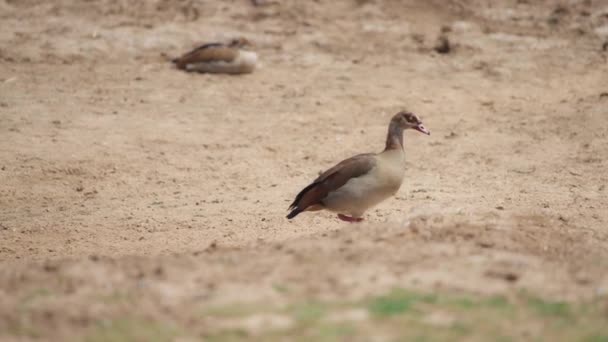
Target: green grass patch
column 398, row 302
column 543, row 307
column 399, row 315
column 127, row 330
column 321, row 332
column 403, row 315
column 597, row 338
column 280, row 288
column 498, row 302
column 231, row 335
column 308, row 312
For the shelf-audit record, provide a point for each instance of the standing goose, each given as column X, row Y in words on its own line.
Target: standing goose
column 219, row 58
column 360, row 182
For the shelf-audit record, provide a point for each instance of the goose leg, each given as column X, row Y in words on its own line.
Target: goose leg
column 350, row 219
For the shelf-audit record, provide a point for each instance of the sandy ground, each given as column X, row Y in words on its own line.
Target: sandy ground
column 117, row 170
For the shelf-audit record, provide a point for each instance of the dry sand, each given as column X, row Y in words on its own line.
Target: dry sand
column 120, row 173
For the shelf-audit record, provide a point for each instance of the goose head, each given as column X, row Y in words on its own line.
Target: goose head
column 408, row 120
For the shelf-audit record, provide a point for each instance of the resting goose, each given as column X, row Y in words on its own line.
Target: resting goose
column 360, row 182
column 219, row 58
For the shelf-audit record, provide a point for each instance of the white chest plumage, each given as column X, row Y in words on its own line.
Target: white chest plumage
column 245, row 62
column 366, row 191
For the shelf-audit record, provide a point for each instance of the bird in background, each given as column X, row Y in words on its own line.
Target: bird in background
column 219, row 58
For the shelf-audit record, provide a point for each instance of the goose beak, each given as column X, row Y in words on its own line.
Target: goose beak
column 422, row 129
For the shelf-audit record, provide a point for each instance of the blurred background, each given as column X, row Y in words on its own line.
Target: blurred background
column 143, row 203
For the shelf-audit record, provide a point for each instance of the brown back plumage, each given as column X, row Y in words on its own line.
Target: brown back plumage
column 207, row 53
column 331, row 180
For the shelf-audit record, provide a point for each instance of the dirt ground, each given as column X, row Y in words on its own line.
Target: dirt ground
column 121, row 176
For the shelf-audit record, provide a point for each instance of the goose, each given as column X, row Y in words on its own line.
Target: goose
column 358, row 183
column 219, row 58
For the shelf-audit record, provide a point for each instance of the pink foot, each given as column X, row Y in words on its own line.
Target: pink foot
column 350, row 219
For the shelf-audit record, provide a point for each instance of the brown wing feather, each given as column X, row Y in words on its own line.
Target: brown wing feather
column 332, row 180
column 352, row 167
column 206, row 53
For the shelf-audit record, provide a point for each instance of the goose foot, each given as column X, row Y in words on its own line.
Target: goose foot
column 350, row 219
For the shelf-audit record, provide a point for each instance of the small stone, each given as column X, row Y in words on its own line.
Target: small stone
column 443, row 45
column 485, row 244
column 504, row 275
column 50, row 266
